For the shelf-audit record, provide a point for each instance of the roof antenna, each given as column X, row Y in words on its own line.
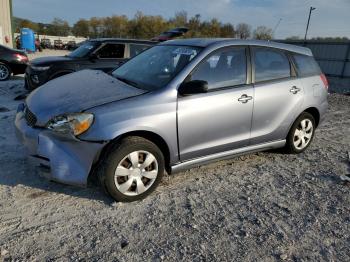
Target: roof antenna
column 278, row 23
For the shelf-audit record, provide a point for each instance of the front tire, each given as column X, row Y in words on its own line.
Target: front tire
column 301, row 134
column 5, row 72
column 132, row 169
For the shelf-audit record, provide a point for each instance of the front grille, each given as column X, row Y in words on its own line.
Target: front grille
column 30, row 117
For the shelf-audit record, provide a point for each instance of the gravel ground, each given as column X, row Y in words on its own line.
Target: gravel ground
column 260, row 207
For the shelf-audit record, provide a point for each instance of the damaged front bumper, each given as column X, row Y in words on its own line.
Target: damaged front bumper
column 69, row 159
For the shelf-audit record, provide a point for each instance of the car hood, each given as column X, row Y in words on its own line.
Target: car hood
column 48, row 60
column 77, row 92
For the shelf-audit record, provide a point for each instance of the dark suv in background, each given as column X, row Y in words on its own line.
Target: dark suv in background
column 12, row 61
column 101, row 54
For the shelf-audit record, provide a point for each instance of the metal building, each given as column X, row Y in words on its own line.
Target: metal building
column 6, row 23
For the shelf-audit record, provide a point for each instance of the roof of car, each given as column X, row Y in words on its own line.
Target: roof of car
column 221, row 42
column 124, row 40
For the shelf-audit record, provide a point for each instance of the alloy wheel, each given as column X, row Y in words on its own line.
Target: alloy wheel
column 136, row 173
column 4, row 72
column 303, row 134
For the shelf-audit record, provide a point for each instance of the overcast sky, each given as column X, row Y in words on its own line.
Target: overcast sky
column 331, row 17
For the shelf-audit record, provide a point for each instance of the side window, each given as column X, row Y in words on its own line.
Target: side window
column 270, row 64
column 136, row 49
column 224, row 68
column 112, row 51
column 306, row 65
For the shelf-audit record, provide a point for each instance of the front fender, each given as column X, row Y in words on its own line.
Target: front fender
column 142, row 113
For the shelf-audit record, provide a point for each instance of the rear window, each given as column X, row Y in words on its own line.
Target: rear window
column 306, row 65
column 270, row 64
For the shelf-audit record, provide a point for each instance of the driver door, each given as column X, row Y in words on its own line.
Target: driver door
column 109, row 57
column 219, row 120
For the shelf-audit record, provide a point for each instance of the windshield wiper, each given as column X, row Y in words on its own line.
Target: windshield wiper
column 127, row 81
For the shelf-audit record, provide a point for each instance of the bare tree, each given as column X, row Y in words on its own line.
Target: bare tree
column 243, row 31
column 263, row 33
column 180, row 19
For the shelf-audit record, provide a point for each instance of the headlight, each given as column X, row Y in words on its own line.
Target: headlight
column 75, row 124
column 40, row 68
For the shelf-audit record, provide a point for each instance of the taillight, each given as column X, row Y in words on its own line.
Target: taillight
column 324, row 80
column 21, row 58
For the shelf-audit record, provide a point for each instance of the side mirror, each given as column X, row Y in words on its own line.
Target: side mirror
column 193, row 87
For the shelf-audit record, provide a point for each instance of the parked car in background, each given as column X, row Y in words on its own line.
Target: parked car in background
column 46, row 43
column 179, row 104
column 171, row 34
column 58, row 44
column 12, row 61
column 101, row 54
column 71, row 45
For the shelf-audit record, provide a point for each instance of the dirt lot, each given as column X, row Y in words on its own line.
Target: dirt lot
column 264, row 206
column 48, row 52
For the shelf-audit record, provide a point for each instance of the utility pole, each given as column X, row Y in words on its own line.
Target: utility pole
column 308, row 22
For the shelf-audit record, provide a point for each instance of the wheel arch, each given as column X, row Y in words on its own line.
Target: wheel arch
column 6, row 63
column 315, row 113
column 149, row 135
column 311, row 110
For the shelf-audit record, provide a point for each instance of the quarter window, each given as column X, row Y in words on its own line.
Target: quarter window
column 112, row 51
column 224, row 68
column 270, row 65
column 306, row 65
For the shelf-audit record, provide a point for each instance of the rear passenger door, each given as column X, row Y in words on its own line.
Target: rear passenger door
column 219, row 120
column 110, row 56
column 278, row 94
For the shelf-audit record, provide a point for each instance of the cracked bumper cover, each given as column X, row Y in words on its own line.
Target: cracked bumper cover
column 70, row 160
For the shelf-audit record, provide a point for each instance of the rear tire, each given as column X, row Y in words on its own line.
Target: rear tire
column 5, row 72
column 131, row 169
column 301, row 134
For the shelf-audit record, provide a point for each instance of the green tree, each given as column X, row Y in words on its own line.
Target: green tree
column 146, row 27
column 227, row 30
column 25, row 23
column 59, row 27
column 96, row 27
column 116, row 26
column 81, row 28
column 194, row 25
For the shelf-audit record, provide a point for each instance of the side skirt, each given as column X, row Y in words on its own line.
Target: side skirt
column 225, row 155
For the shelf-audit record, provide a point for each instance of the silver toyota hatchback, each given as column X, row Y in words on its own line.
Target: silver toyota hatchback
column 180, row 104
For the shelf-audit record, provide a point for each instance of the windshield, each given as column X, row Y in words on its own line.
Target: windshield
column 156, row 67
column 83, row 50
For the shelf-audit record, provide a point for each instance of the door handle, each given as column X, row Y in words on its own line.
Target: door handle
column 294, row 90
column 244, row 98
